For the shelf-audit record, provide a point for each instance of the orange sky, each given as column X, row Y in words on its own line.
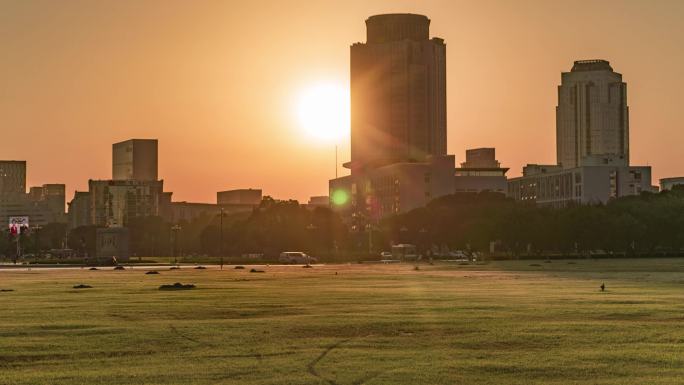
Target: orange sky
column 215, row 81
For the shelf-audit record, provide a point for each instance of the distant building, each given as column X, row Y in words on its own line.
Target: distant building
column 12, row 178
column 480, row 172
column 592, row 133
column 112, row 243
column 53, row 194
column 592, row 117
column 188, row 211
column 319, row 201
column 135, row 159
column 398, row 93
column 557, row 187
column 42, row 205
column 394, row 188
column 240, row 196
column 79, row 210
column 113, row 203
column 669, row 183
column 398, row 121
column 39, row 212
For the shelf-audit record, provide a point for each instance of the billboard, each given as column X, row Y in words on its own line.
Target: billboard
column 18, row 224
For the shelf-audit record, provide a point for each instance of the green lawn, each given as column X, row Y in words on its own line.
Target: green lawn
column 501, row 323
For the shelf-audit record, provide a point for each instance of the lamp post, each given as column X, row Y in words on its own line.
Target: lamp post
column 221, row 238
column 403, row 230
column 310, row 228
column 37, row 229
column 423, row 239
column 369, row 227
column 175, row 229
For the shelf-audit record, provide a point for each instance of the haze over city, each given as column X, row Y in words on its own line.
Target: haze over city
column 218, row 83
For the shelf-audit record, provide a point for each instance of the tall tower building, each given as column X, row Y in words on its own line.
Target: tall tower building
column 135, row 159
column 12, row 178
column 398, row 93
column 592, row 117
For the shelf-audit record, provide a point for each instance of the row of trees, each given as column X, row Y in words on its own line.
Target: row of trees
column 647, row 223
column 643, row 224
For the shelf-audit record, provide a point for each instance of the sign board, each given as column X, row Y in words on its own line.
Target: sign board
column 17, row 223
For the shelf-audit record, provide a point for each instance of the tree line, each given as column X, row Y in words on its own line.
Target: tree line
column 646, row 224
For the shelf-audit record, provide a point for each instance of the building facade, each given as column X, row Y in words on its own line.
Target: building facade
column 79, row 210
column 480, row 172
column 239, row 196
column 398, row 93
column 394, row 188
column 12, row 178
column 669, row 183
column 592, row 128
column 135, row 159
column 560, row 187
column 592, row 116
column 113, row 203
column 398, row 121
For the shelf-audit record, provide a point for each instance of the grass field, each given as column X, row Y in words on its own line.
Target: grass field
column 521, row 322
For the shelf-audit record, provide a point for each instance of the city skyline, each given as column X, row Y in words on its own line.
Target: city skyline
column 74, row 86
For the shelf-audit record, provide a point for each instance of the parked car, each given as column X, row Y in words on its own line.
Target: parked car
column 458, row 254
column 386, row 255
column 296, row 257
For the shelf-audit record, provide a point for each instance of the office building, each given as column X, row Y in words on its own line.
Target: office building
column 480, row 172
column 135, row 159
column 43, row 205
column 12, row 178
column 319, row 201
column 79, row 210
column 557, row 186
column 113, row 203
column 669, row 183
column 592, row 128
column 398, row 121
column 241, row 196
column 394, row 188
column 54, row 195
column 592, row 117
column 398, row 93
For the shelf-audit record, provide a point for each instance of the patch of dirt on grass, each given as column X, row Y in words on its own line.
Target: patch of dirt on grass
column 177, row 286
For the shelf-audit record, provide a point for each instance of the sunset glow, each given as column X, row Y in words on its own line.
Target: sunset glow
column 323, row 111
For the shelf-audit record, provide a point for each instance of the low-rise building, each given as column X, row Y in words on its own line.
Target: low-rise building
column 669, row 183
column 558, row 187
column 240, row 196
column 480, row 172
column 394, row 188
column 188, row 211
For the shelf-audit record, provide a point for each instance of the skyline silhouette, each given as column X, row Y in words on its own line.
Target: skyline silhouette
column 215, row 83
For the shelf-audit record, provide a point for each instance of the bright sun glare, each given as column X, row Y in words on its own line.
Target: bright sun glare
column 323, row 111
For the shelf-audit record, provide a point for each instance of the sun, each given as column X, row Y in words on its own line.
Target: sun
column 323, row 111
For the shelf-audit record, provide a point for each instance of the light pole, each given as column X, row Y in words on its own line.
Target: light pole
column 221, row 238
column 369, row 227
column 310, row 228
column 37, row 228
column 175, row 229
column 402, row 232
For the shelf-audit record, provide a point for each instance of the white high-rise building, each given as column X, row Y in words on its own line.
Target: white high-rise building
column 592, row 117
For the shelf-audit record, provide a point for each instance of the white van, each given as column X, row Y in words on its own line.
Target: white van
column 296, row 257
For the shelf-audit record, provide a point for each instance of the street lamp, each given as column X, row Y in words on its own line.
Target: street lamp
column 369, row 228
column 38, row 228
column 310, row 228
column 403, row 230
column 175, row 229
column 221, row 239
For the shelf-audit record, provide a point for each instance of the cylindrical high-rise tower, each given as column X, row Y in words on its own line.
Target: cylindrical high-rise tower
column 398, row 93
